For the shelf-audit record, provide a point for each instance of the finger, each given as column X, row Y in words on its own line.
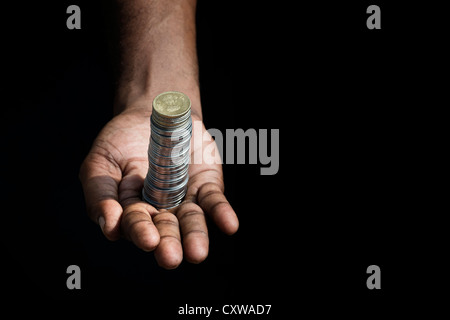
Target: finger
column 137, row 222
column 212, row 200
column 194, row 232
column 130, row 188
column 138, row 227
column 169, row 253
column 99, row 178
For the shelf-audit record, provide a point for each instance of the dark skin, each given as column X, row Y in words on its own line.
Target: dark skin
column 157, row 53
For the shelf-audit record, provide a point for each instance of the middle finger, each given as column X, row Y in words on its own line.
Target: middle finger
column 169, row 252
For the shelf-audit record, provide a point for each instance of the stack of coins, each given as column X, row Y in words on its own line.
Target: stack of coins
column 169, row 150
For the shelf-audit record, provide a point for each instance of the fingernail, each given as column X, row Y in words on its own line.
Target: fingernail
column 101, row 222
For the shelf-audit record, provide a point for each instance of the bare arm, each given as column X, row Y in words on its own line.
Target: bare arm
column 157, row 52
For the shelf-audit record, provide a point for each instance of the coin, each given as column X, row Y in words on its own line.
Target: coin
column 169, row 150
column 171, row 104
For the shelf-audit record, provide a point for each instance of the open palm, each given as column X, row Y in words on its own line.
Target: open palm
column 113, row 175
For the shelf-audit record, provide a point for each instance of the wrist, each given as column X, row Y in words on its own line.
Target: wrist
column 139, row 100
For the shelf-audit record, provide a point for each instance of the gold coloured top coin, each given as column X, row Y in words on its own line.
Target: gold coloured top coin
column 171, row 104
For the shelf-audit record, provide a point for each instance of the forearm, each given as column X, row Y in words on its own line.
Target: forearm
column 157, row 52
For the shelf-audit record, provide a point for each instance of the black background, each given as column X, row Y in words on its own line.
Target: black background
column 343, row 197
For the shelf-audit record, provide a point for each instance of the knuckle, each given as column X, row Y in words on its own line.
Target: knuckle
column 208, row 190
column 188, row 208
column 166, row 218
column 210, row 186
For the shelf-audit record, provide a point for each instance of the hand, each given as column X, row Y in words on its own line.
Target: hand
column 113, row 175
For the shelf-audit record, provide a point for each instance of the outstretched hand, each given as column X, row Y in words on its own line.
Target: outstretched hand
column 112, row 176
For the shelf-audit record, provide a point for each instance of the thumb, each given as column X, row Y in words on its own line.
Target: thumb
column 100, row 178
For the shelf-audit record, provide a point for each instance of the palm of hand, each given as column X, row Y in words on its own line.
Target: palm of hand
column 113, row 174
